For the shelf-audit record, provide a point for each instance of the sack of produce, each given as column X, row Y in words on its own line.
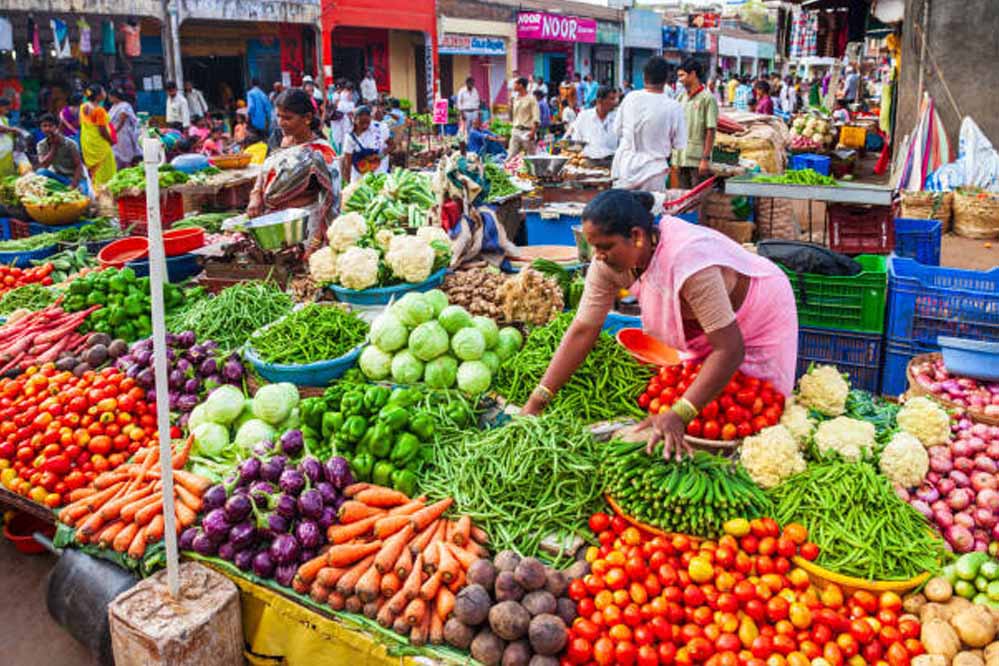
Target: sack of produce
column 976, row 213
column 928, row 206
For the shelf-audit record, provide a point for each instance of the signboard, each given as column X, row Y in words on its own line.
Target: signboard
column 471, row 45
column 643, row 29
column 539, row 25
column 608, row 33
column 440, row 112
column 704, row 20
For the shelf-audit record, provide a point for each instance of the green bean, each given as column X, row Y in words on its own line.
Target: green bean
column 314, row 333
column 29, row 297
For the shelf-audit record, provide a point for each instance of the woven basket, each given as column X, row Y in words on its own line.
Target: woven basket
column 740, row 232
column 976, row 214
column 929, row 206
column 916, row 389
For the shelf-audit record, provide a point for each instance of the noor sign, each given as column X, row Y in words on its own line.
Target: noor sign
column 539, row 25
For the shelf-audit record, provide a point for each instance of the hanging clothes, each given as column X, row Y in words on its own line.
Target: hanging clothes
column 6, row 35
column 85, row 44
column 35, row 41
column 107, row 38
column 60, row 38
column 132, row 39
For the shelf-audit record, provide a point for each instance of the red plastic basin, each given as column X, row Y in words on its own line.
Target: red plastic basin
column 20, row 528
column 647, row 349
column 116, row 254
column 182, row 241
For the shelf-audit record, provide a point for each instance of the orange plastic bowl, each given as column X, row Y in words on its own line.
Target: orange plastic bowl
column 645, row 348
column 19, row 531
column 182, row 241
column 116, row 254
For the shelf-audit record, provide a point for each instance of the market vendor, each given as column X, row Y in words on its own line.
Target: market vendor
column 366, row 148
column 58, row 157
column 595, row 126
column 302, row 173
column 484, row 142
column 700, row 293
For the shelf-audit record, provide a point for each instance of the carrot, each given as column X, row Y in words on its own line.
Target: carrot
column 431, row 586
column 429, row 514
column 444, row 603
column 138, row 545
column 464, row 557
column 196, row 483
column 385, row 615
column 447, row 563
column 185, row 517
column 390, row 584
column 308, row 571
column 423, row 538
column 328, row 576
column 348, row 553
column 477, row 549
column 109, row 533
column 390, row 525
column 411, row 587
column 339, row 534
column 404, row 564
column 192, row 501
column 355, row 488
column 352, row 511
column 458, row 582
column 400, row 627
column 348, row 581
column 336, row 600
column 97, row 500
column 415, row 611
column 398, row 601
column 436, row 629
column 479, row 535
column 418, row 636
column 384, row 498
column 180, row 457
column 408, row 508
column 154, row 530
column 462, row 531
column 146, row 513
column 318, row 593
column 369, row 585
column 80, row 493
column 431, row 556
column 91, row 525
column 353, row 604
column 392, row 548
column 128, row 511
column 448, row 530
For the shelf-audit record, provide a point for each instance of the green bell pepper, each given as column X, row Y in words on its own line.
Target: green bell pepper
column 394, row 417
column 381, row 475
column 79, row 287
column 133, row 305
column 117, row 283
column 129, row 275
column 354, row 428
column 422, row 425
column 404, row 481
column 361, row 466
column 311, row 411
column 332, row 422
column 381, row 440
column 310, row 432
column 406, row 446
column 352, row 403
column 95, row 298
column 404, row 397
column 376, row 397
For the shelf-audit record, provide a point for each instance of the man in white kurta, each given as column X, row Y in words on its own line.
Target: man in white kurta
column 595, row 126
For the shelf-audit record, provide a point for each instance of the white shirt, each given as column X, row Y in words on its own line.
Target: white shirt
column 373, row 138
column 601, row 141
column 648, row 126
column 177, row 110
column 787, row 99
column 568, row 115
column 369, row 89
column 468, row 100
column 196, row 102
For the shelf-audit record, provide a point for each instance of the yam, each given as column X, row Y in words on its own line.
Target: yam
column 517, row 653
column 557, row 583
column 914, row 603
column 539, row 602
column 929, row 660
column 975, row 626
column 577, row 570
column 939, row 589
column 531, row 574
column 458, row 634
column 471, row 606
column 506, row 587
column 968, row 659
column 547, row 634
column 509, row 620
column 488, row 648
column 482, row 572
column 566, row 609
column 938, row 637
column 506, row 560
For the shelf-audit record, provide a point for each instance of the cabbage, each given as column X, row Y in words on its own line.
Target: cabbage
column 291, row 391
column 197, row 417
column 388, row 333
column 437, row 300
column 440, row 373
column 293, row 422
column 413, row 309
column 428, row 341
column 509, row 342
column 492, row 361
column 375, row 363
column 453, row 318
column 210, row 439
column 273, row 403
column 488, row 329
column 244, row 415
column 474, row 377
column 468, row 344
column 406, row 368
column 252, row 432
column 224, row 404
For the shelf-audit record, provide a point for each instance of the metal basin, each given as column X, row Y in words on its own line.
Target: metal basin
column 278, row 230
column 545, row 166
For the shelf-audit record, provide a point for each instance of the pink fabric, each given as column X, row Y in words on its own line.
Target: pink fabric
column 768, row 318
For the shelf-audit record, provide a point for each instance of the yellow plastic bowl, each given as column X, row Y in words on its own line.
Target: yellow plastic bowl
column 60, row 214
column 822, row 577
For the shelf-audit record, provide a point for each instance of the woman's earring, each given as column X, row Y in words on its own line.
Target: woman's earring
column 639, row 243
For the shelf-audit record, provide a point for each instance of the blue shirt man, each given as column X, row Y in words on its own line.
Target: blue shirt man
column 258, row 107
column 591, row 88
column 482, row 141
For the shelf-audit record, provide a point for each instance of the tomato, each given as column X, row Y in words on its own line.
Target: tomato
column 644, row 400
column 777, row 609
column 603, row 651
column 809, row 551
column 862, row 631
column 599, row 522
column 759, row 423
column 744, row 429
column 580, row 650
column 865, row 600
column 624, row 653
column 577, row 590
column 728, row 432
column 848, row 644
column 710, row 411
column 897, row 655
column 832, row 654
column 796, row 532
column 909, row 629
column 666, row 653
column 695, row 428
column 643, row 635
column 890, row 601
column 711, row 429
column 669, row 395
column 762, row 647
column 772, row 415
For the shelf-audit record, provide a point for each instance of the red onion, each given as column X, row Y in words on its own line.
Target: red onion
column 946, row 486
column 988, row 498
column 923, row 508
column 992, row 450
column 902, row 493
column 960, row 478
column 943, row 518
column 927, row 493
column 960, row 538
column 985, row 464
column 932, row 477
column 961, row 447
column 964, row 519
column 940, row 465
column 995, row 532
column 941, row 451
column 985, row 518
column 959, row 499
column 963, row 464
column 934, row 377
column 982, row 480
column 939, row 505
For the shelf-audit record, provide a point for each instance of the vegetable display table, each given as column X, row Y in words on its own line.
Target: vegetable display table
column 227, row 190
column 15, row 501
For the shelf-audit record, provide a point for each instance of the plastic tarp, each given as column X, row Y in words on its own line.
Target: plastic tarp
column 977, row 163
column 927, row 149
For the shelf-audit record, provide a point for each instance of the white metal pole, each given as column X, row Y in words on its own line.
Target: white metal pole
column 157, row 277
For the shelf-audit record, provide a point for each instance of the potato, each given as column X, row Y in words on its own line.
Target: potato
column 547, row 634
column 541, row 660
column 509, row 620
column 471, row 606
column 566, row 609
column 939, row 589
column 531, row 574
column 913, row 603
column 938, row 637
column 488, row 648
column 506, row 560
column 506, row 587
column 517, row 653
column 975, row 626
column 557, row 583
column 482, row 572
column 968, row 659
column 929, row 660
column 539, row 601
column 991, row 654
column 934, row 611
column 458, row 634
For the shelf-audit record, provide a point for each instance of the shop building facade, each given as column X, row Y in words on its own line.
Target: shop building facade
column 642, row 40
column 478, row 40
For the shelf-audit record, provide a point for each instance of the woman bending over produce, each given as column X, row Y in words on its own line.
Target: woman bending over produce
column 700, row 293
column 302, row 173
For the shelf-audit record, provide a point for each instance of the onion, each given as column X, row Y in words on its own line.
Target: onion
column 964, row 520
column 960, row 478
column 932, row 477
column 944, row 519
column 961, row 448
column 939, row 505
column 982, row 480
column 927, row 493
column 940, row 465
column 959, row 499
column 995, row 532
column 923, row 508
column 902, row 493
column 992, row 450
column 985, row 518
column 960, row 538
column 963, row 464
column 940, row 451
column 988, row 498
column 946, row 486
column 985, row 464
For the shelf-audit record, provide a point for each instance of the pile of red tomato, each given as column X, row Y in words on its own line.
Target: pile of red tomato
column 57, row 431
column 12, row 277
column 745, row 407
column 739, row 601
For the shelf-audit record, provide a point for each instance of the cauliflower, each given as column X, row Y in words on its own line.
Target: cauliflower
column 926, row 420
column 905, row 460
column 771, row 456
column 410, row 258
column 850, row 438
column 796, row 420
column 431, row 234
column 383, row 237
column 322, row 265
column 346, row 230
column 358, row 267
column 824, row 390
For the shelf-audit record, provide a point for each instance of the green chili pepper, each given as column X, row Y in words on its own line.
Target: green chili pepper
column 394, row 416
column 422, row 425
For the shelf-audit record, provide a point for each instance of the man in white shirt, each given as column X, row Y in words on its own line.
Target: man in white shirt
column 511, row 89
column 178, row 113
column 468, row 103
column 595, row 126
column 369, row 89
column 649, row 125
column 196, row 103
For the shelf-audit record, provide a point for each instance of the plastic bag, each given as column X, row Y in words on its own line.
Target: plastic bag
column 977, row 164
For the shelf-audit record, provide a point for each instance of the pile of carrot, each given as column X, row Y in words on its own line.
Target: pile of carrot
column 39, row 337
column 396, row 560
column 123, row 508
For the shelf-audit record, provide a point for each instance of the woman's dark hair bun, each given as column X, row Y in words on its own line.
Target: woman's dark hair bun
column 619, row 211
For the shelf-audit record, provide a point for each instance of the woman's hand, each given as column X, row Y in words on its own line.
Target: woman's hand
column 667, row 427
column 255, row 208
column 533, row 407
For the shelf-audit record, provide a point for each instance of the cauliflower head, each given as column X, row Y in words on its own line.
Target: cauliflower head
column 850, row 438
column 322, row 265
column 410, row 258
column 824, row 390
column 358, row 267
column 796, row 420
column 431, row 234
column 925, row 419
column 905, row 460
column 383, row 237
column 771, row 456
column 346, row 230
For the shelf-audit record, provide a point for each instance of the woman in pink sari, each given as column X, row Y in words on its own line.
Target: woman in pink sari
column 700, row 293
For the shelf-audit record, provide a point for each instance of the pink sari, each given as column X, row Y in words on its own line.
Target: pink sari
column 768, row 317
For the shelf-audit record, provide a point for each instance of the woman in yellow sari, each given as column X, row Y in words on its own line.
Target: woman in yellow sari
column 95, row 137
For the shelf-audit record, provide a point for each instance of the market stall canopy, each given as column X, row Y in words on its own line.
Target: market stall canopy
column 151, row 8
column 269, row 11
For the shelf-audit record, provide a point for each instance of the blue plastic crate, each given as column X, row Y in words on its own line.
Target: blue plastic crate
column 819, row 163
column 918, row 239
column 36, row 228
column 615, row 321
column 179, row 268
column 925, row 302
column 544, row 230
column 24, row 259
column 857, row 354
column 894, row 381
column 4, row 228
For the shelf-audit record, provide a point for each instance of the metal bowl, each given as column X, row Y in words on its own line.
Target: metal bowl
column 545, row 166
column 279, row 230
column 573, row 146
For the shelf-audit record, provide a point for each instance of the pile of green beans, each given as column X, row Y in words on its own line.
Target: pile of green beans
column 29, row 297
column 36, row 242
column 521, row 481
column 861, row 526
column 314, row 333
column 605, row 386
column 231, row 317
column 694, row 495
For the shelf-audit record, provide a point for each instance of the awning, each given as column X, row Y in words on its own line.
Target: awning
column 150, row 8
column 267, row 11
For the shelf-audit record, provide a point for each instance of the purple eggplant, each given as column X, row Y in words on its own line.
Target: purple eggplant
column 292, row 442
column 338, row 472
column 192, row 385
column 151, row 395
column 249, row 470
column 186, row 402
column 203, row 545
column 186, row 540
column 237, row 508
column 327, row 518
column 312, row 468
column 131, row 370
column 308, row 534
column 173, row 401
column 277, row 524
column 244, row 560
column 142, row 357
column 213, row 381
column 285, row 573
column 146, row 378
column 185, row 339
column 260, row 492
column 292, row 481
column 242, row 535
column 307, row 554
column 183, row 366
column 171, row 355
column 176, row 379
column 287, row 506
column 284, row 549
column 272, row 469
column 263, row 447
column 208, row 367
column 328, row 492
column 310, row 503
column 233, row 369
column 214, row 497
column 263, row 565
column 227, row 551
column 215, row 525
column 339, row 502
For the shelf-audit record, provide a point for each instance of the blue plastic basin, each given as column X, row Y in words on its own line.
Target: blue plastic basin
column 384, row 295
column 971, row 358
column 320, row 373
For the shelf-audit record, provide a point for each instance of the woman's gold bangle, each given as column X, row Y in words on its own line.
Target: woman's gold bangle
column 545, row 393
column 685, row 410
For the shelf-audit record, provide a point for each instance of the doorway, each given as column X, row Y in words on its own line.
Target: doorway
column 219, row 78
column 348, row 63
column 557, row 70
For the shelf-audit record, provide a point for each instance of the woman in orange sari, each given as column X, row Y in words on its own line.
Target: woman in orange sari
column 96, row 140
